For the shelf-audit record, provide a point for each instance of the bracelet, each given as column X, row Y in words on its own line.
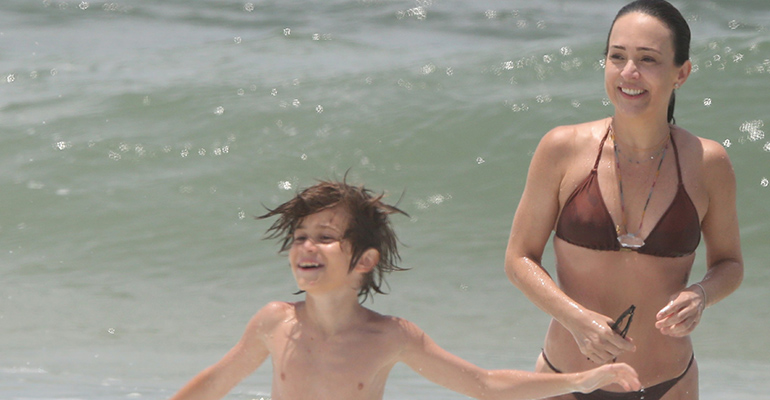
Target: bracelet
column 705, row 296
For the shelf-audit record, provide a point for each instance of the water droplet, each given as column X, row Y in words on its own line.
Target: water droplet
column 437, row 199
column 284, row 185
column 727, row 143
column 764, row 182
column 286, row 31
column 734, row 24
column 319, row 109
column 248, row 7
column 83, row 5
column 219, row 111
column 707, row 102
column 753, row 129
column 480, row 160
column 237, row 40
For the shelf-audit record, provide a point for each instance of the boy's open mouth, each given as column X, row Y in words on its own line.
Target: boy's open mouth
column 309, row 265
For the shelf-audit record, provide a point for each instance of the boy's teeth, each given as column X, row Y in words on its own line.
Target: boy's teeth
column 632, row 92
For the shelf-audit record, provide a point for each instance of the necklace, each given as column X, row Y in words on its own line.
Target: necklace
column 645, row 158
column 629, row 240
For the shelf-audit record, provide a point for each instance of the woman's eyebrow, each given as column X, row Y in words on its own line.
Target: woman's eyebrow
column 640, row 48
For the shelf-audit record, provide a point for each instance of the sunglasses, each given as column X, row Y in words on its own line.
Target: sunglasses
column 617, row 325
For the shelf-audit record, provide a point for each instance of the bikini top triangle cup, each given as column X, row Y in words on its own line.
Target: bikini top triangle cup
column 586, row 222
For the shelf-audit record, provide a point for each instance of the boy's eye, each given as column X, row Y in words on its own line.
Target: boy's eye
column 327, row 239
column 300, row 238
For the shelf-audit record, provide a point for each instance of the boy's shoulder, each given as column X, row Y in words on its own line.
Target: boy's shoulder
column 272, row 314
column 398, row 328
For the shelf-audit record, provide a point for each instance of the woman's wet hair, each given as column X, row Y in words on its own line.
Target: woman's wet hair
column 666, row 13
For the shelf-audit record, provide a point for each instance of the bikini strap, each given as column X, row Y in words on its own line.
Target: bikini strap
column 601, row 147
column 676, row 156
column 548, row 363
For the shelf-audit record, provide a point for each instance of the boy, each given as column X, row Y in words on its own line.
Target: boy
column 340, row 244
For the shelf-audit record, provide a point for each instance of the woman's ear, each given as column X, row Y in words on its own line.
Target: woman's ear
column 368, row 260
column 684, row 73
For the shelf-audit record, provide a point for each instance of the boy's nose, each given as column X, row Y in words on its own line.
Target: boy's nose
column 309, row 245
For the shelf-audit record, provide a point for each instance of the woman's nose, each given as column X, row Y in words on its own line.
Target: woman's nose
column 630, row 70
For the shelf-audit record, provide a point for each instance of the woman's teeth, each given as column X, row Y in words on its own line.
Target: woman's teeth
column 632, row 92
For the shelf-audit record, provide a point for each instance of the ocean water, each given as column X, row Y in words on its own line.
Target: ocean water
column 139, row 138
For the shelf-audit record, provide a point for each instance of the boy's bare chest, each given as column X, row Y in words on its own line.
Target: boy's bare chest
column 353, row 365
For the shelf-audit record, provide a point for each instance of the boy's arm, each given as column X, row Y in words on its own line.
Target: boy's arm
column 244, row 358
column 424, row 356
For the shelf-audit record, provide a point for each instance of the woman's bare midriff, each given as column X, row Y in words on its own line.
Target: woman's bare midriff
column 608, row 282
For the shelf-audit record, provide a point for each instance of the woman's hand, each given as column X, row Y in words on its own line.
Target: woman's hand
column 683, row 313
column 596, row 339
column 619, row 373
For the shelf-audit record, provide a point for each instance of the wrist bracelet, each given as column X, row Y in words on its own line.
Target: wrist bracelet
column 705, row 296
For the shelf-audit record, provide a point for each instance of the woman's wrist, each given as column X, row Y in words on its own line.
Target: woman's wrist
column 705, row 295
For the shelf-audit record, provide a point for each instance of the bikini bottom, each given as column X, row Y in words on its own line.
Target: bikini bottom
column 654, row 392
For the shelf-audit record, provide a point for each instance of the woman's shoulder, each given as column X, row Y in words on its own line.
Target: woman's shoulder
column 710, row 153
column 571, row 139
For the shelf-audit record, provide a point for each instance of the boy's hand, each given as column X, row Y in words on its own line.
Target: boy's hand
column 620, row 373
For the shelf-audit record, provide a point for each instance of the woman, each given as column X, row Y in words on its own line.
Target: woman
column 629, row 197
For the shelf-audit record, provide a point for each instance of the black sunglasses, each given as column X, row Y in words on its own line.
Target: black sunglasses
column 616, row 326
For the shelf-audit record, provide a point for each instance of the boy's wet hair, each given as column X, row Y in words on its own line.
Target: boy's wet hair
column 368, row 226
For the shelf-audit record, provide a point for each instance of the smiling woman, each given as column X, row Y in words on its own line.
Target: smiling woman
column 627, row 232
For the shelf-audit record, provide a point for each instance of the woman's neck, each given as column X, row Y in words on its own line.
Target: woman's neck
column 640, row 135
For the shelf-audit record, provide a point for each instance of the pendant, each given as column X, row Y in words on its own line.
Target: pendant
column 630, row 241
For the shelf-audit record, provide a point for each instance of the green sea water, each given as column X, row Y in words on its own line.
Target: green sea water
column 139, row 139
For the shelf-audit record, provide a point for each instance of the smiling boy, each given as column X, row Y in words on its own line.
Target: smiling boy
column 340, row 245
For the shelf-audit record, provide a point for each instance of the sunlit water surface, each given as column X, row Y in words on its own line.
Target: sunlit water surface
column 140, row 138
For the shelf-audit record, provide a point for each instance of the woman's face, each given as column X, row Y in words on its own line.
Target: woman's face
column 640, row 74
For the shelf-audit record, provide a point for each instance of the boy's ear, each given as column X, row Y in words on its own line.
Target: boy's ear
column 368, row 260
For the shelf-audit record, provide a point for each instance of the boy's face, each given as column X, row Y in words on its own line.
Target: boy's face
column 319, row 257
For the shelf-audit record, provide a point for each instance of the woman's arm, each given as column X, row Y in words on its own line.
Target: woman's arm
column 532, row 225
column 439, row 366
column 723, row 248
